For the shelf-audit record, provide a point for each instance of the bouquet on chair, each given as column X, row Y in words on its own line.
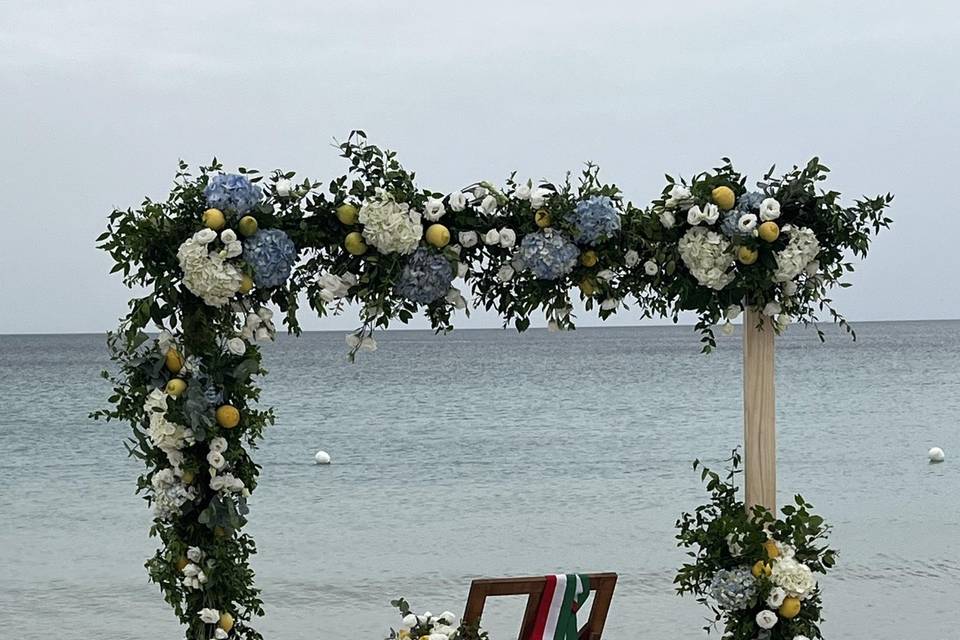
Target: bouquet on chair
column 427, row 626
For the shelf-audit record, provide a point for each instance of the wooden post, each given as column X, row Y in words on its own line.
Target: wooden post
column 759, row 411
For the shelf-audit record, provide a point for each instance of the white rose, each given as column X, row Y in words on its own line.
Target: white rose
column 236, row 346
column 631, row 259
column 218, row 444
column 209, row 616
column 769, row 209
column 771, row 309
column 194, row 554
column 651, row 267
column 433, row 209
column 776, row 597
column 205, row 236
column 284, row 187
column 448, row 617
column 522, row 192
column 410, row 621
column 191, row 570
column 227, row 236
column 766, row 619
column 667, row 219
column 492, row 237
column 678, row 194
column 538, row 197
column 505, row 274
column 457, row 201
column 747, row 222
column 489, row 205
column 216, row 460
column 606, row 275
column 508, row 238
column 609, row 304
column 467, row 239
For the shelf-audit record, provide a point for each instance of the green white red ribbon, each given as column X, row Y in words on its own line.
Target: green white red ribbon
column 563, row 596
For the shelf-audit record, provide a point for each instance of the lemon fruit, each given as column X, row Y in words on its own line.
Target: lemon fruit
column 173, row 360
column 773, row 551
column 248, row 225
column 347, row 214
column 354, row 243
column 227, row 416
column 746, row 255
column 186, row 476
column 790, row 607
column 214, row 219
column 588, row 258
column 588, row 287
column 175, row 387
column 760, row 568
column 246, row 283
column 438, row 236
column 723, row 197
column 181, row 563
column 769, row 231
column 226, row 621
column 542, row 218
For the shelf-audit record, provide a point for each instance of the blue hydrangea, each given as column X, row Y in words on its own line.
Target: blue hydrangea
column 425, row 278
column 595, row 219
column 232, row 193
column 548, row 254
column 271, row 253
column 734, row 589
column 749, row 202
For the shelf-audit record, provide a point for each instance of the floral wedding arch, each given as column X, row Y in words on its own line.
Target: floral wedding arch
column 223, row 248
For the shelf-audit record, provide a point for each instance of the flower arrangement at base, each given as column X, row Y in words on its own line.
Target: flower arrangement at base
column 778, row 249
column 427, row 626
column 754, row 571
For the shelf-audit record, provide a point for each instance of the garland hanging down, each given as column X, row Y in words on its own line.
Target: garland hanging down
column 223, row 249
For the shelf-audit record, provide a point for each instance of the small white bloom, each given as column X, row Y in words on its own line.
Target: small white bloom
column 366, row 343
column 522, row 192
column 453, row 296
column 209, row 616
column 766, row 619
column 651, row 267
column 667, row 219
column 789, row 288
column 236, row 346
column 606, row 275
column 227, row 236
column 747, row 222
column 776, row 597
column 263, row 333
column 727, row 329
column 468, row 239
column 448, row 617
column 732, row 312
column 191, row 570
column 812, row 268
column 216, row 460
column 769, row 209
column 457, row 201
column 489, row 205
column 284, row 187
column 264, row 313
column 194, row 554
column 433, row 210
column 694, row 215
column 218, row 444
column 205, row 236
column 508, row 238
column 538, row 197
column 678, row 195
column 711, row 213
column 609, row 304
column 771, row 309
column 233, row 249
column 505, row 274
column 164, row 341
column 631, row 258
column 220, row 634
column 492, row 237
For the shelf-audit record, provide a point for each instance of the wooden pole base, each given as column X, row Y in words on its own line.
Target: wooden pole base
column 759, row 411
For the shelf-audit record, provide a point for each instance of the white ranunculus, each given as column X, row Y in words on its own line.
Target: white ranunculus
column 194, row 554
column 216, row 460
column 694, row 215
column 711, row 213
column 776, row 597
column 733, row 312
column 766, row 619
column 771, row 309
column 218, row 444
column 606, row 275
column 492, row 237
column 467, row 239
column 457, row 201
column 433, row 210
column 236, row 346
column 284, row 187
column 727, row 329
column 631, row 258
column 747, row 222
column 609, row 304
column 678, row 195
column 505, row 274
column 508, row 238
column 667, row 219
column 794, row 577
column 651, row 267
column 769, row 209
column 209, row 616
column 489, row 205
column 538, row 196
column 227, row 236
column 390, row 226
column 205, row 236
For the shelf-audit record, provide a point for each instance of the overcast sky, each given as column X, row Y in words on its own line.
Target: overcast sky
column 100, row 99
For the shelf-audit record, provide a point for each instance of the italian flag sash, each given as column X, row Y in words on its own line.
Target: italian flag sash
column 556, row 618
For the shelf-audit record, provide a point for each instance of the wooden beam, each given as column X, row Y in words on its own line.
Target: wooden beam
column 759, row 411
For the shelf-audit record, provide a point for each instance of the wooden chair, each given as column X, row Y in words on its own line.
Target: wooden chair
column 602, row 584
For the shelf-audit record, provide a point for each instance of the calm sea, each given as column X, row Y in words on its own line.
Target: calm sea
column 486, row 453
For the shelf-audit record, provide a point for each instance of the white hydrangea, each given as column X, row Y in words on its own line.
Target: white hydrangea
column 167, row 436
column 207, row 274
column 708, row 256
column 793, row 577
column 169, row 494
column 389, row 225
column 801, row 249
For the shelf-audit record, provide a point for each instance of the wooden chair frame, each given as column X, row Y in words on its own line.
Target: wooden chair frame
column 602, row 584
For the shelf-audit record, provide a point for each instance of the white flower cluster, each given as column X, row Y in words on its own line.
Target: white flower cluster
column 193, row 575
column 259, row 325
column 221, row 481
column 795, row 578
column 167, row 436
column 802, row 248
column 169, row 494
column 438, row 627
column 206, row 273
column 212, row 616
column 389, row 225
column 708, row 256
column 334, row 287
column 504, row 237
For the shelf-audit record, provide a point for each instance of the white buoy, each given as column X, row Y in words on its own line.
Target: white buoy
column 935, row 454
column 322, row 457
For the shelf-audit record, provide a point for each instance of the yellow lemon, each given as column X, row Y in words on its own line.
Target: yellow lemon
column 214, row 219
column 760, row 568
column 226, row 622
column 588, row 287
column 769, row 231
column 227, row 416
column 773, row 551
column 187, row 476
column 354, row 243
column 347, row 214
column 403, row 634
column 174, row 361
column 790, row 607
column 438, row 235
column 176, row 386
column 723, row 197
column 247, row 225
column 181, row 563
column 588, row 258
column 542, row 218
column 746, row 255
column 246, row 283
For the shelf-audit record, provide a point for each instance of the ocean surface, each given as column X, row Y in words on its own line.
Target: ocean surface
column 487, row 453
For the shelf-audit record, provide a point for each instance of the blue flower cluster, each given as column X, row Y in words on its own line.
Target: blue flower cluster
column 747, row 203
column 750, row 202
column 595, row 219
column 425, row 278
column 548, row 254
column 734, row 589
column 271, row 253
column 232, row 193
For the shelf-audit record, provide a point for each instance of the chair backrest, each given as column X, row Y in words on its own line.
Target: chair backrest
column 602, row 584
